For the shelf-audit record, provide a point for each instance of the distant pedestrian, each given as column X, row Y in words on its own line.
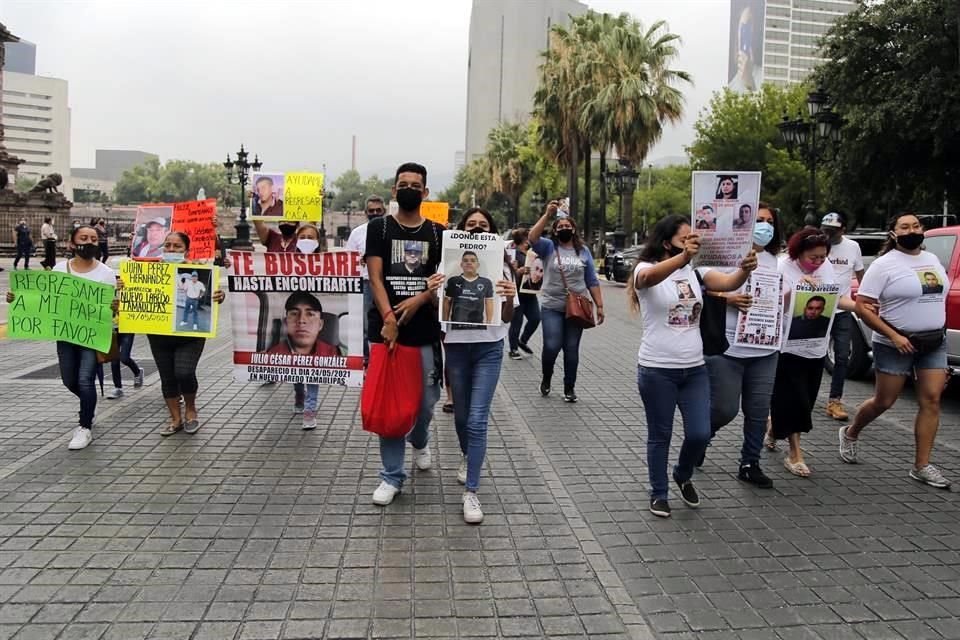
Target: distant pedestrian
column 529, row 302
column 102, row 239
column 49, row 237
column 23, row 242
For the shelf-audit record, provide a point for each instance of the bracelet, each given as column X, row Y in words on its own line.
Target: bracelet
column 388, row 314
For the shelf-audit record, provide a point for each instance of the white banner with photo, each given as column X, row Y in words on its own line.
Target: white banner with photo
column 760, row 325
column 472, row 262
column 812, row 309
column 724, row 206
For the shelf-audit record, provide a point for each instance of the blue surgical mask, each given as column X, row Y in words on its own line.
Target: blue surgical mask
column 762, row 234
column 173, row 257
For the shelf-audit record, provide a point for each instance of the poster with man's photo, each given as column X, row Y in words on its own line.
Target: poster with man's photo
column 532, row 280
column 724, row 206
column 297, row 317
column 168, row 299
column 290, row 196
column 150, row 229
column 195, row 218
column 759, row 326
column 812, row 309
column 472, row 263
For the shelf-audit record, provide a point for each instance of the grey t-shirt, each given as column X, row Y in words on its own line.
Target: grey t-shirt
column 578, row 269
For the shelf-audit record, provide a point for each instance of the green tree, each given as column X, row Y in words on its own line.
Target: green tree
column 24, row 183
column 510, row 168
column 351, row 187
column 176, row 181
column 892, row 71
column 662, row 191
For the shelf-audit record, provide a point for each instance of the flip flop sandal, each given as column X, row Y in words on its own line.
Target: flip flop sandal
column 770, row 444
column 797, row 468
column 171, row 429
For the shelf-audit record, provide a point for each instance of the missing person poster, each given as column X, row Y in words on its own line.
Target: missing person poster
column 760, row 325
column 50, row 305
column 291, row 196
column 168, row 299
column 150, row 229
column 724, row 205
column 196, row 218
column 532, row 279
column 297, row 317
column 812, row 309
column 472, row 263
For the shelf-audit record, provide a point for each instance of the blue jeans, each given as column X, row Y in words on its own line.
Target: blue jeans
column 745, row 383
column 392, row 450
column 190, row 307
column 559, row 334
column 311, row 391
column 530, row 309
column 473, row 370
column 841, row 333
column 662, row 391
column 78, row 371
column 125, row 342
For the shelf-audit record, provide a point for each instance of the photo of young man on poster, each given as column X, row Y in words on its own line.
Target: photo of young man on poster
column 303, row 326
column 468, row 298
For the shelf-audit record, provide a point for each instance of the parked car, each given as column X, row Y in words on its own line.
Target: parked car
column 620, row 265
column 942, row 243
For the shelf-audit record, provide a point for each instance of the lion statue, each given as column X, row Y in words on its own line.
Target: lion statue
column 48, row 184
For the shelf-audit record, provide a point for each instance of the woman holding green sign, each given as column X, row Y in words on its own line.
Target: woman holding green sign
column 78, row 365
column 177, row 356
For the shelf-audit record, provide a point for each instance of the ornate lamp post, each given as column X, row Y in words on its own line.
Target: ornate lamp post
column 621, row 181
column 813, row 138
column 238, row 173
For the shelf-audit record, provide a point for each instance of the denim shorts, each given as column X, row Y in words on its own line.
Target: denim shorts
column 891, row 362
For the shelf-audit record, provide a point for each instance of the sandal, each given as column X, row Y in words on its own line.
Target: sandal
column 770, row 444
column 448, row 407
column 171, row 429
column 797, row 468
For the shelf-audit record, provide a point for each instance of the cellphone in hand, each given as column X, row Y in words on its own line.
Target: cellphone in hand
column 563, row 208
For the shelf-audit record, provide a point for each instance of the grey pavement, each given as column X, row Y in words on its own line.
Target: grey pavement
column 253, row 528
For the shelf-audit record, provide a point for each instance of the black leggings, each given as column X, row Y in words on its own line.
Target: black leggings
column 177, row 358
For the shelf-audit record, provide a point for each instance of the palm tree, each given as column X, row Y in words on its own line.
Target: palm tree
column 509, row 171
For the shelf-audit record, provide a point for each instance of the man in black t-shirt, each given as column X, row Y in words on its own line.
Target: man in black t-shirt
column 468, row 298
column 404, row 312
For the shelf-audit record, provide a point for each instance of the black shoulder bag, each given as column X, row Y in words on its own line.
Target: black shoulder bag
column 713, row 322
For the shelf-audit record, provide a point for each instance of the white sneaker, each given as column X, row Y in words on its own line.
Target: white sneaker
column 138, row 380
column 309, row 420
column 421, row 458
column 82, row 437
column 385, row 494
column 462, row 470
column 472, row 513
column 183, row 324
column 848, row 447
column 115, row 393
column 194, row 327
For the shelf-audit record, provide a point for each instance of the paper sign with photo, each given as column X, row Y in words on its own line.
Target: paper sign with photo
column 724, row 206
column 812, row 309
column 168, row 299
column 472, row 263
column 759, row 326
column 532, row 280
column 150, row 229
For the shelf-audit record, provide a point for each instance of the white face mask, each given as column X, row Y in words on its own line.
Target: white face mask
column 306, row 245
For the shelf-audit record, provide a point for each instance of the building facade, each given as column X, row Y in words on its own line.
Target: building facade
column 507, row 38
column 91, row 184
column 36, row 122
column 21, row 57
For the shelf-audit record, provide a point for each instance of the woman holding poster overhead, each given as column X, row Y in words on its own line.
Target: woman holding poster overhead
column 177, row 356
column 812, row 295
column 567, row 269
column 78, row 364
column 474, row 357
column 670, row 366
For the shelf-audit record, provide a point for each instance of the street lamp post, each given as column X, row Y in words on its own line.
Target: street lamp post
column 813, row 137
column 238, row 173
column 621, row 181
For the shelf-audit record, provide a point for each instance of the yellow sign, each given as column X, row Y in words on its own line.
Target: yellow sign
column 168, row 299
column 436, row 211
column 303, row 197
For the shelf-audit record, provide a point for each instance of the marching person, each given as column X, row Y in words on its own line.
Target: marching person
column 909, row 285
column 529, row 302
column 177, row 356
column 474, row 358
column 566, row 252
column 847, row 261
column 742, row 377
column 800, row 369
column 670, row 366
column 23, row 243
column 357, row 241
column 405, row 311
column 78, row 365
column 49, row 237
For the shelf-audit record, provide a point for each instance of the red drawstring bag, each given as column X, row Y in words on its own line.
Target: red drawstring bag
column 390, row 399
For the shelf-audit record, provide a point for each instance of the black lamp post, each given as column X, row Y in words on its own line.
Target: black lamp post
column 813, row 137
column 621, row 181
column 238, row 173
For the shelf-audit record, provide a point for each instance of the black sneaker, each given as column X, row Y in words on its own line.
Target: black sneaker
column 660, row 508
column 545, row 386
column 689, row 493
column 523, row 347
column 753, row 474
column 569, row 395
column 515, row 355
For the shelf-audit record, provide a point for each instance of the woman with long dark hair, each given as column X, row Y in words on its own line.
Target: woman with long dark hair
column 565, row 259
column 800, row 369
column 177, row 356
column 474, row 358
column 909, row 286
column 670, row 366
column 78, row 365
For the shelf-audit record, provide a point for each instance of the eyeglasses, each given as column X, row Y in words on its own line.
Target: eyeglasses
column 378, row 210
column 819, row 238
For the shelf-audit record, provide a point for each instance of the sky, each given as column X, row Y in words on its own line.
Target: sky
column 293, row 80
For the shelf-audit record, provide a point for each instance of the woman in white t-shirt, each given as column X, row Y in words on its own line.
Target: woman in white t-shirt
column 670, row 369
column 804, row 347
column 78, row 364
column 910, row 287
column 474, row 358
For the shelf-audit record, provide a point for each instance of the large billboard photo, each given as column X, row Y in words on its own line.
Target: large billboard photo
column 745, row 71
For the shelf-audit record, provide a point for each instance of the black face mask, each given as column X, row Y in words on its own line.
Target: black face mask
column 87, row 251
column 374, row 216
column 564, row 235
column 409, row 199
column 475, row 231
column 910, row 241
column 287, row 230
column 674, row 251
